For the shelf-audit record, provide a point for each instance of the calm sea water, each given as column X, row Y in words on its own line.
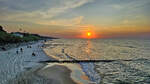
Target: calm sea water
column 98, row 49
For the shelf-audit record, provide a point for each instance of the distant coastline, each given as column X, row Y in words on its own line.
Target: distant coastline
column 19, row 37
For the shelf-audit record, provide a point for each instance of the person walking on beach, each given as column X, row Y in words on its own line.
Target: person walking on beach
column 33, row 54
column 17, row 52
column 63, row 50
column 21, row 49
column 3, row 48
column 29, row 46
column 42, row 46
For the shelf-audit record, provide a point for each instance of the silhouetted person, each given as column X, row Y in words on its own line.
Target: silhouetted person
column 21, row 49
column 3, row 48
column 17, row 52
column 33, row 54
column 63, row 50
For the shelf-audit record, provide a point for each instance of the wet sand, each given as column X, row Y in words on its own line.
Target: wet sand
column 64, row 73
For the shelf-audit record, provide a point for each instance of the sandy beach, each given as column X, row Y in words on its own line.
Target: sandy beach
column 14, row 63
column 63, row 73
column 21, row 67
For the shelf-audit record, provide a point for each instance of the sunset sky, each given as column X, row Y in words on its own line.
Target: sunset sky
column 74, row 18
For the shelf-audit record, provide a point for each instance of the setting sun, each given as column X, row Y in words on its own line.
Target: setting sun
column 89, row 34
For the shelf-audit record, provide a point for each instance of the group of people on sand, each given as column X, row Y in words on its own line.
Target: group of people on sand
column 21, row 50
column 28, row 46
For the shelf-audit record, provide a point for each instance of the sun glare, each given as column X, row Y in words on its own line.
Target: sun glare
column 88, row 33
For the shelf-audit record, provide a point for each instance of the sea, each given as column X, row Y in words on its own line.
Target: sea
column 117, row 61
column 98, row 49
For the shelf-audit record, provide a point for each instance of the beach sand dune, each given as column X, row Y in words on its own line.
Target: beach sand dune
column 63, row 73
column 57, row 74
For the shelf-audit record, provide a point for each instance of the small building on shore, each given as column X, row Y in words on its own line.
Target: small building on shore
column 17, row 34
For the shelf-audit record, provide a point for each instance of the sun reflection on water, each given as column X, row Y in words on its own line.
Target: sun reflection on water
column 88, row 49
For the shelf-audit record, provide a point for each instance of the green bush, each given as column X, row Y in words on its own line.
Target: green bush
column 9, row 38
column 30, row 38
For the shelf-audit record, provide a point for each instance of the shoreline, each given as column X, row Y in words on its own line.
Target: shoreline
column 87, row 68
column 135, row 69
column 22, row 66
column 63, row 73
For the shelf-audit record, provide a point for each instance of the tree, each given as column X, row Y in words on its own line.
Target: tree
column 1, row 29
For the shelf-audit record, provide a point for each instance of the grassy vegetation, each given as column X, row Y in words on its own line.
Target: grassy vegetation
column 30, row 38
column 6, row 38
